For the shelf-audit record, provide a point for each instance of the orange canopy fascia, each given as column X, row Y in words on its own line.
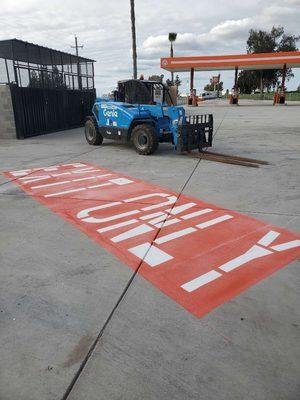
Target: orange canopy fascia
column 229, row 62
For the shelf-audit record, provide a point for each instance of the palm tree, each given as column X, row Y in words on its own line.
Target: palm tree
column 134, row 56
column 172, row 38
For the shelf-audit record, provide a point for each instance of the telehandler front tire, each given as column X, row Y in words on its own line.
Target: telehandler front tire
column 144, row 139
column 92, row 134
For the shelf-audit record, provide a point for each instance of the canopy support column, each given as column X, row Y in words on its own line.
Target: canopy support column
column 282, row 96
column 192, row 80
column 279, row 95
column 234, row 98
column 191, row 97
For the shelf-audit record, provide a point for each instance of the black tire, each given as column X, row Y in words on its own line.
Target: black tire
column 144, row 139
column 92, row 134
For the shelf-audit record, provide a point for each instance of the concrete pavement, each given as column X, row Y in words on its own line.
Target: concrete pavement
column 58, row 287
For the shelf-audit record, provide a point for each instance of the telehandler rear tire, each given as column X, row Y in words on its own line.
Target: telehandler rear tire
column 92, row 134
column 144, row 139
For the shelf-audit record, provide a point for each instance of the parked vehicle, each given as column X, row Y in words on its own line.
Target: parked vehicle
column 208, row 95
column 142, row 113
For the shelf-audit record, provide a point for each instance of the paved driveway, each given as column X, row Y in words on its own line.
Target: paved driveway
column 77, row 323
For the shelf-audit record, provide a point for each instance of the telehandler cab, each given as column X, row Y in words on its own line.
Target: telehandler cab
column 142, row 112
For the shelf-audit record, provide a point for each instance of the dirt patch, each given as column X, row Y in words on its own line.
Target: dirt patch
column 79, row 351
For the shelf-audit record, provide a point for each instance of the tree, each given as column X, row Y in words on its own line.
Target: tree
column 35, row 79
column 172, row 38
column 158, row 78
column 247, row 81
column 134, row 55
column 266, row 42
column 47, row 79
column 210, row 87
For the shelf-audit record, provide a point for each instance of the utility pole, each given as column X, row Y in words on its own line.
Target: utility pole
column 172, row 38
column 261, row 85
column 134, row 55
column 78, row 64
column 172, row 55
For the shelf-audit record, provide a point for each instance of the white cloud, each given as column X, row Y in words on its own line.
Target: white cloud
column 211, row 41
column 15, row 7
column 103, row 26
column 232, row 28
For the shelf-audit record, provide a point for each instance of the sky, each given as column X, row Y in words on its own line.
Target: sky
column 104, row 28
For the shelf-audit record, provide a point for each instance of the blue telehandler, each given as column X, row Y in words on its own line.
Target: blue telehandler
column 142, row 112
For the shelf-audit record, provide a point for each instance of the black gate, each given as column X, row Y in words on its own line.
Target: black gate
column 40, row 110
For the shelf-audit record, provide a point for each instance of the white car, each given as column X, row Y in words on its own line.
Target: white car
column 209, row 95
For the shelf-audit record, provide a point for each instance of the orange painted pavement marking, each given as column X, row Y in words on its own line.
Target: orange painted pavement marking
column 201, row 259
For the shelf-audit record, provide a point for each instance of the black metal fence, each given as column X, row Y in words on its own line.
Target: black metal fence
column 29, row 65
column 51, row 90
column 38, row 111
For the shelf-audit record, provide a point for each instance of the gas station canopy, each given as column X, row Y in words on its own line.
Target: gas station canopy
column 230, row 62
